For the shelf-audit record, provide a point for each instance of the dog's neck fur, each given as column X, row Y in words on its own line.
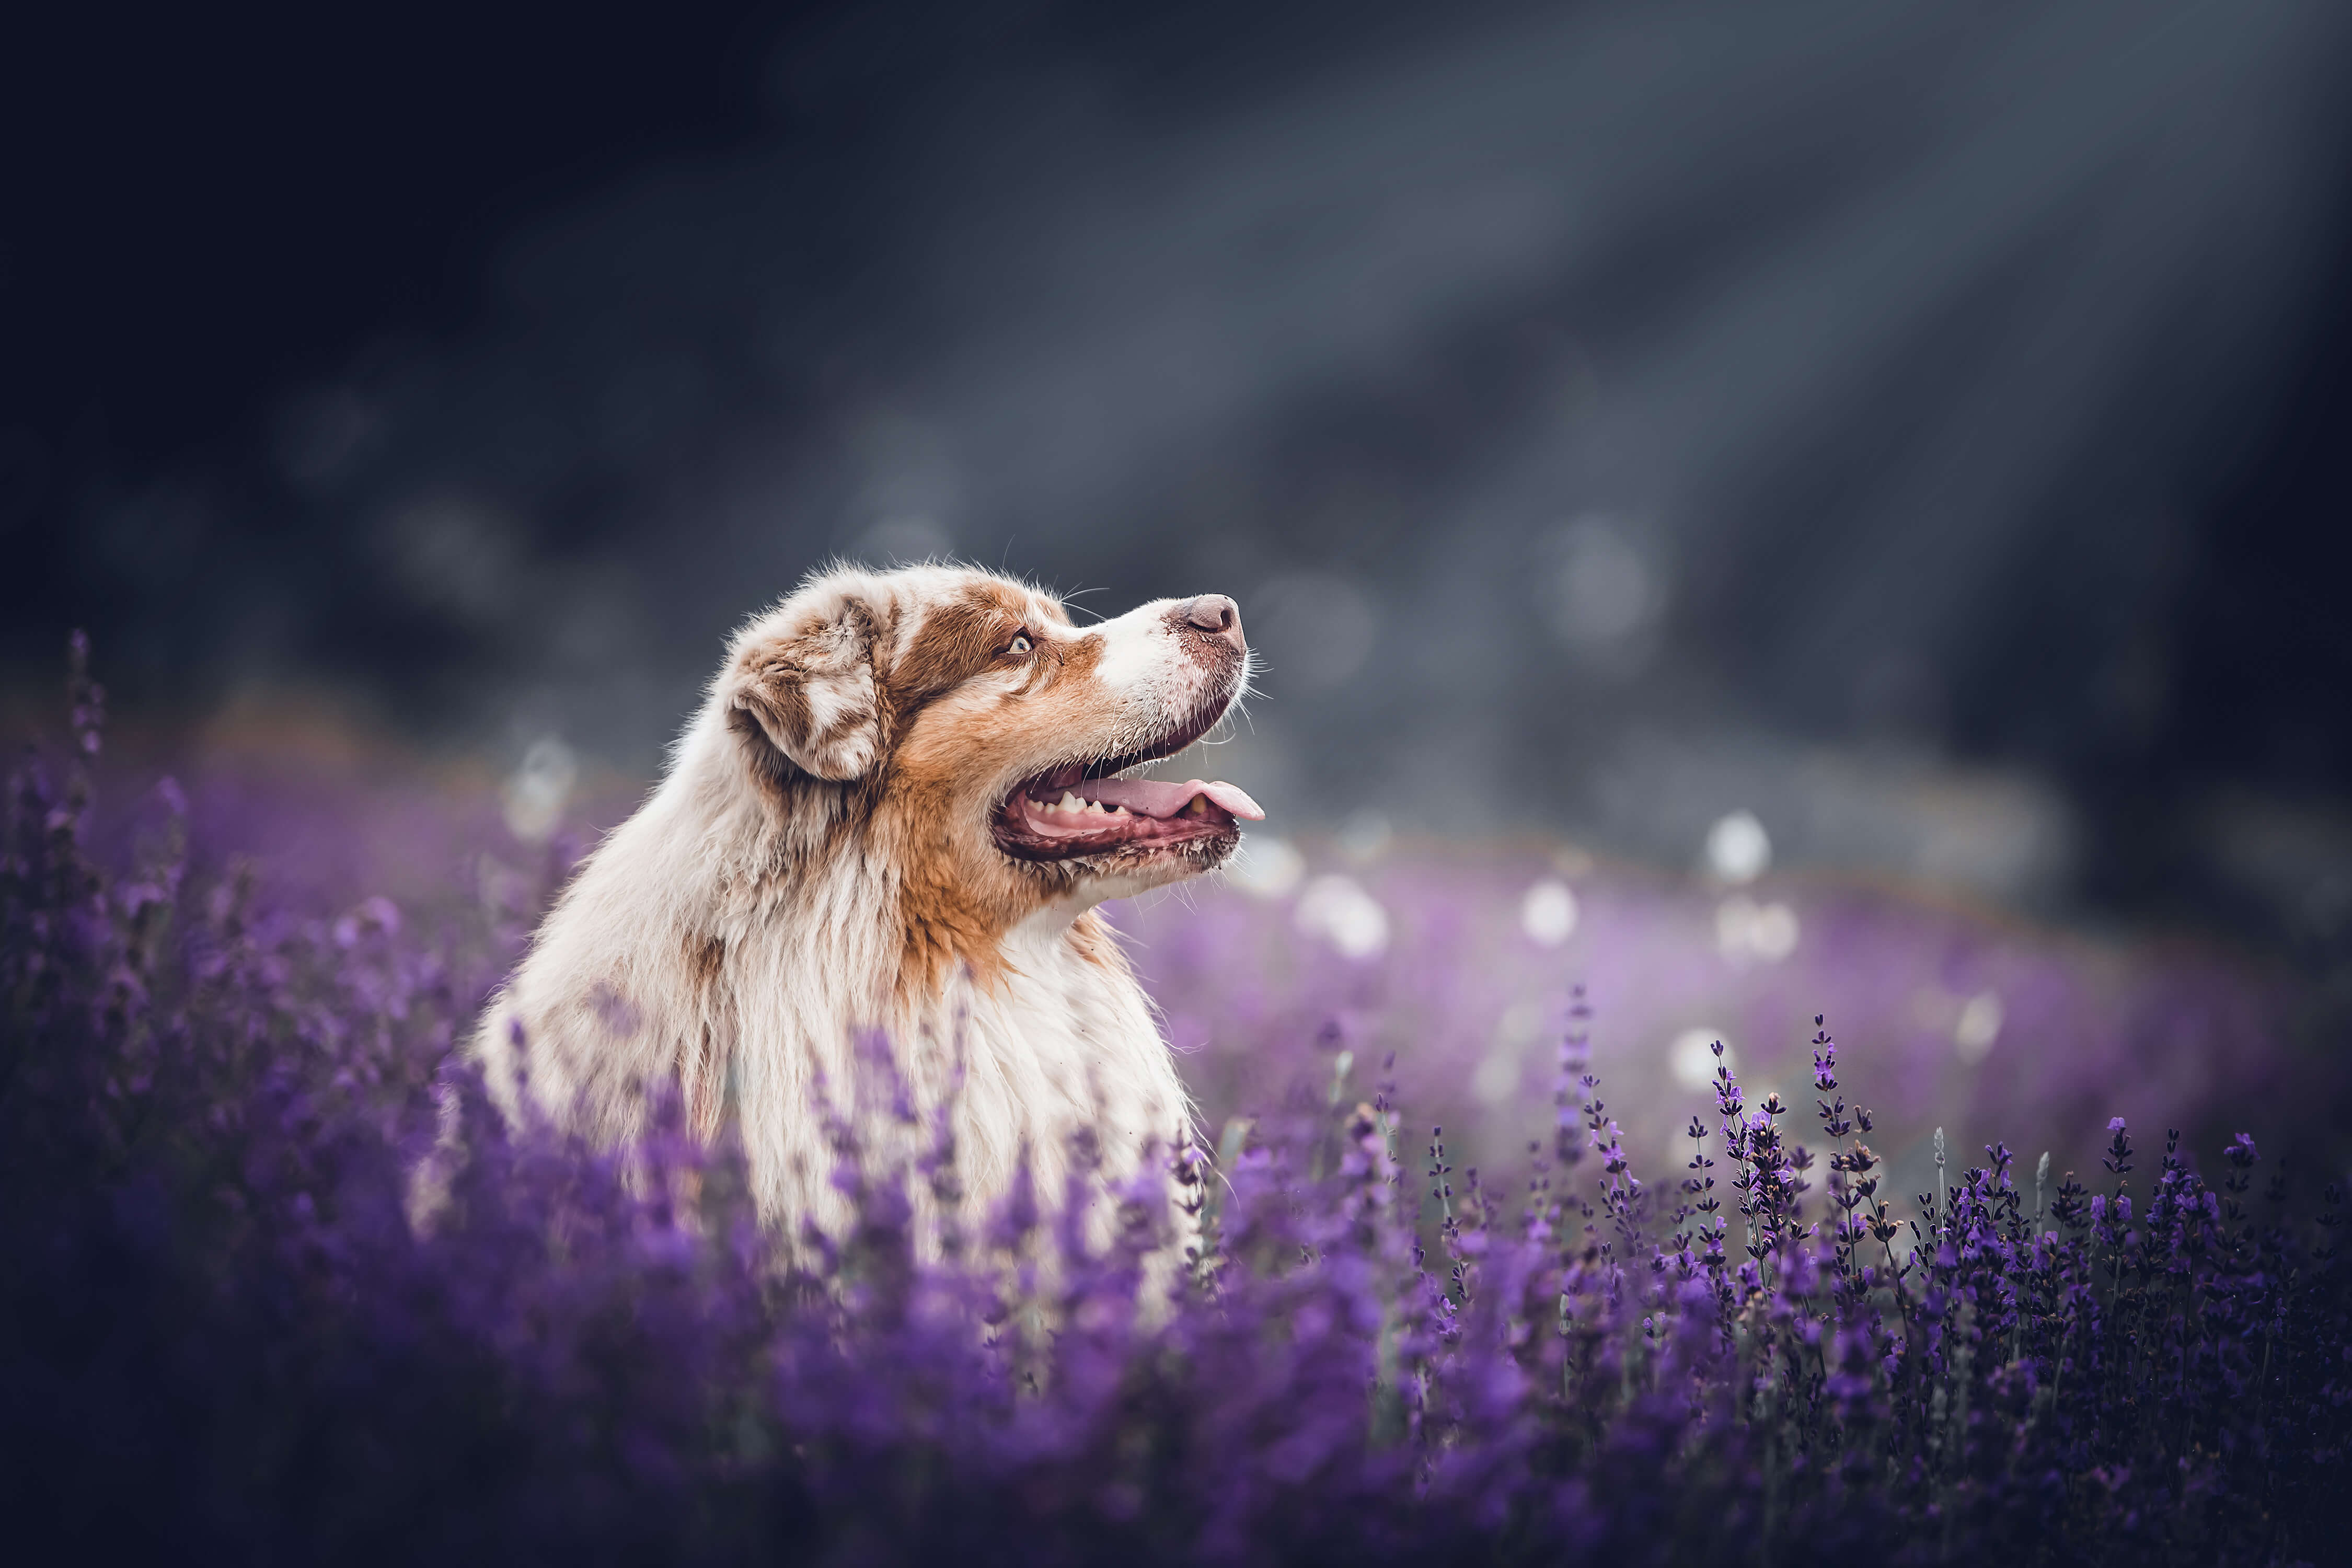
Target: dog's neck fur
column 737, row 937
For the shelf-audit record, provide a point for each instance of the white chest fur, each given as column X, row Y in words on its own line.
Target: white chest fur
column 755, row 996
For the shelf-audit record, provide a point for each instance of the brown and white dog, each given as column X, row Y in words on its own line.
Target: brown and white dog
column 896, row 810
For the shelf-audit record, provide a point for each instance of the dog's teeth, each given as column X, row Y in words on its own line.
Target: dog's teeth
column 1119, row 811
column 1069, row 803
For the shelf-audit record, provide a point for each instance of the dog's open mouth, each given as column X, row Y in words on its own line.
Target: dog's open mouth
column 1062, row 813
column 1079, row 808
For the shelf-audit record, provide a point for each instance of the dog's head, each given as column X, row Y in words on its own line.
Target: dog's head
column 986, row 742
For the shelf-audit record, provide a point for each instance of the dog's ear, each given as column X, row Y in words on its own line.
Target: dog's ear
column 805, row 676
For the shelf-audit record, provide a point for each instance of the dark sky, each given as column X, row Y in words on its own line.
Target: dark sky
column 1925, row 425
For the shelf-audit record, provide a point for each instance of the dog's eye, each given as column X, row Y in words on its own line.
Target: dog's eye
column 1020, row 644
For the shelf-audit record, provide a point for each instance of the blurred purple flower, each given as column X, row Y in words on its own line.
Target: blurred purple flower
column 220, row 1085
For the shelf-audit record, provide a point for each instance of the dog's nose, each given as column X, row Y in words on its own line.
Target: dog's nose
column 1215, row 613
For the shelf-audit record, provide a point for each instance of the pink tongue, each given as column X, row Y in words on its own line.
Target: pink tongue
column 1151, row 797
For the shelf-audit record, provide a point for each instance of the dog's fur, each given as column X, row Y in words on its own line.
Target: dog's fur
column 829, row 855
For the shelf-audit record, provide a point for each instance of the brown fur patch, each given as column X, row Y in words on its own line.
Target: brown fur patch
column 1076, row 659
column 770, row 767
column 954, row 908
column 705, row 958
column 959, row 894
column 784, row 681
column 702, row 1073
column 772, row 697
column 956, row 641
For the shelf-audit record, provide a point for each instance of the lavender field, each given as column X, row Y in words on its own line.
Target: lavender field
column 1505, row 1260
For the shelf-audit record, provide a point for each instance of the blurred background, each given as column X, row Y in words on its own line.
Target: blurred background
column 1901, row 445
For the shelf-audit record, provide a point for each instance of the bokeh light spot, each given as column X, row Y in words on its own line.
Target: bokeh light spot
column 1979, row 1026
column 1691, row 1060
column 1746, row 931
column 1738, row 849
column 1599, row 591
column 536, row 793
column 1772, row 934
column 1338, row 909
column 1548, row 913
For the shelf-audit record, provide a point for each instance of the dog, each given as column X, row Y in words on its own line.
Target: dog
column 896, row 811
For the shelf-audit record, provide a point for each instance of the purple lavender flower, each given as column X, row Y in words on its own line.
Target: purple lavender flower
column 227, row 1337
